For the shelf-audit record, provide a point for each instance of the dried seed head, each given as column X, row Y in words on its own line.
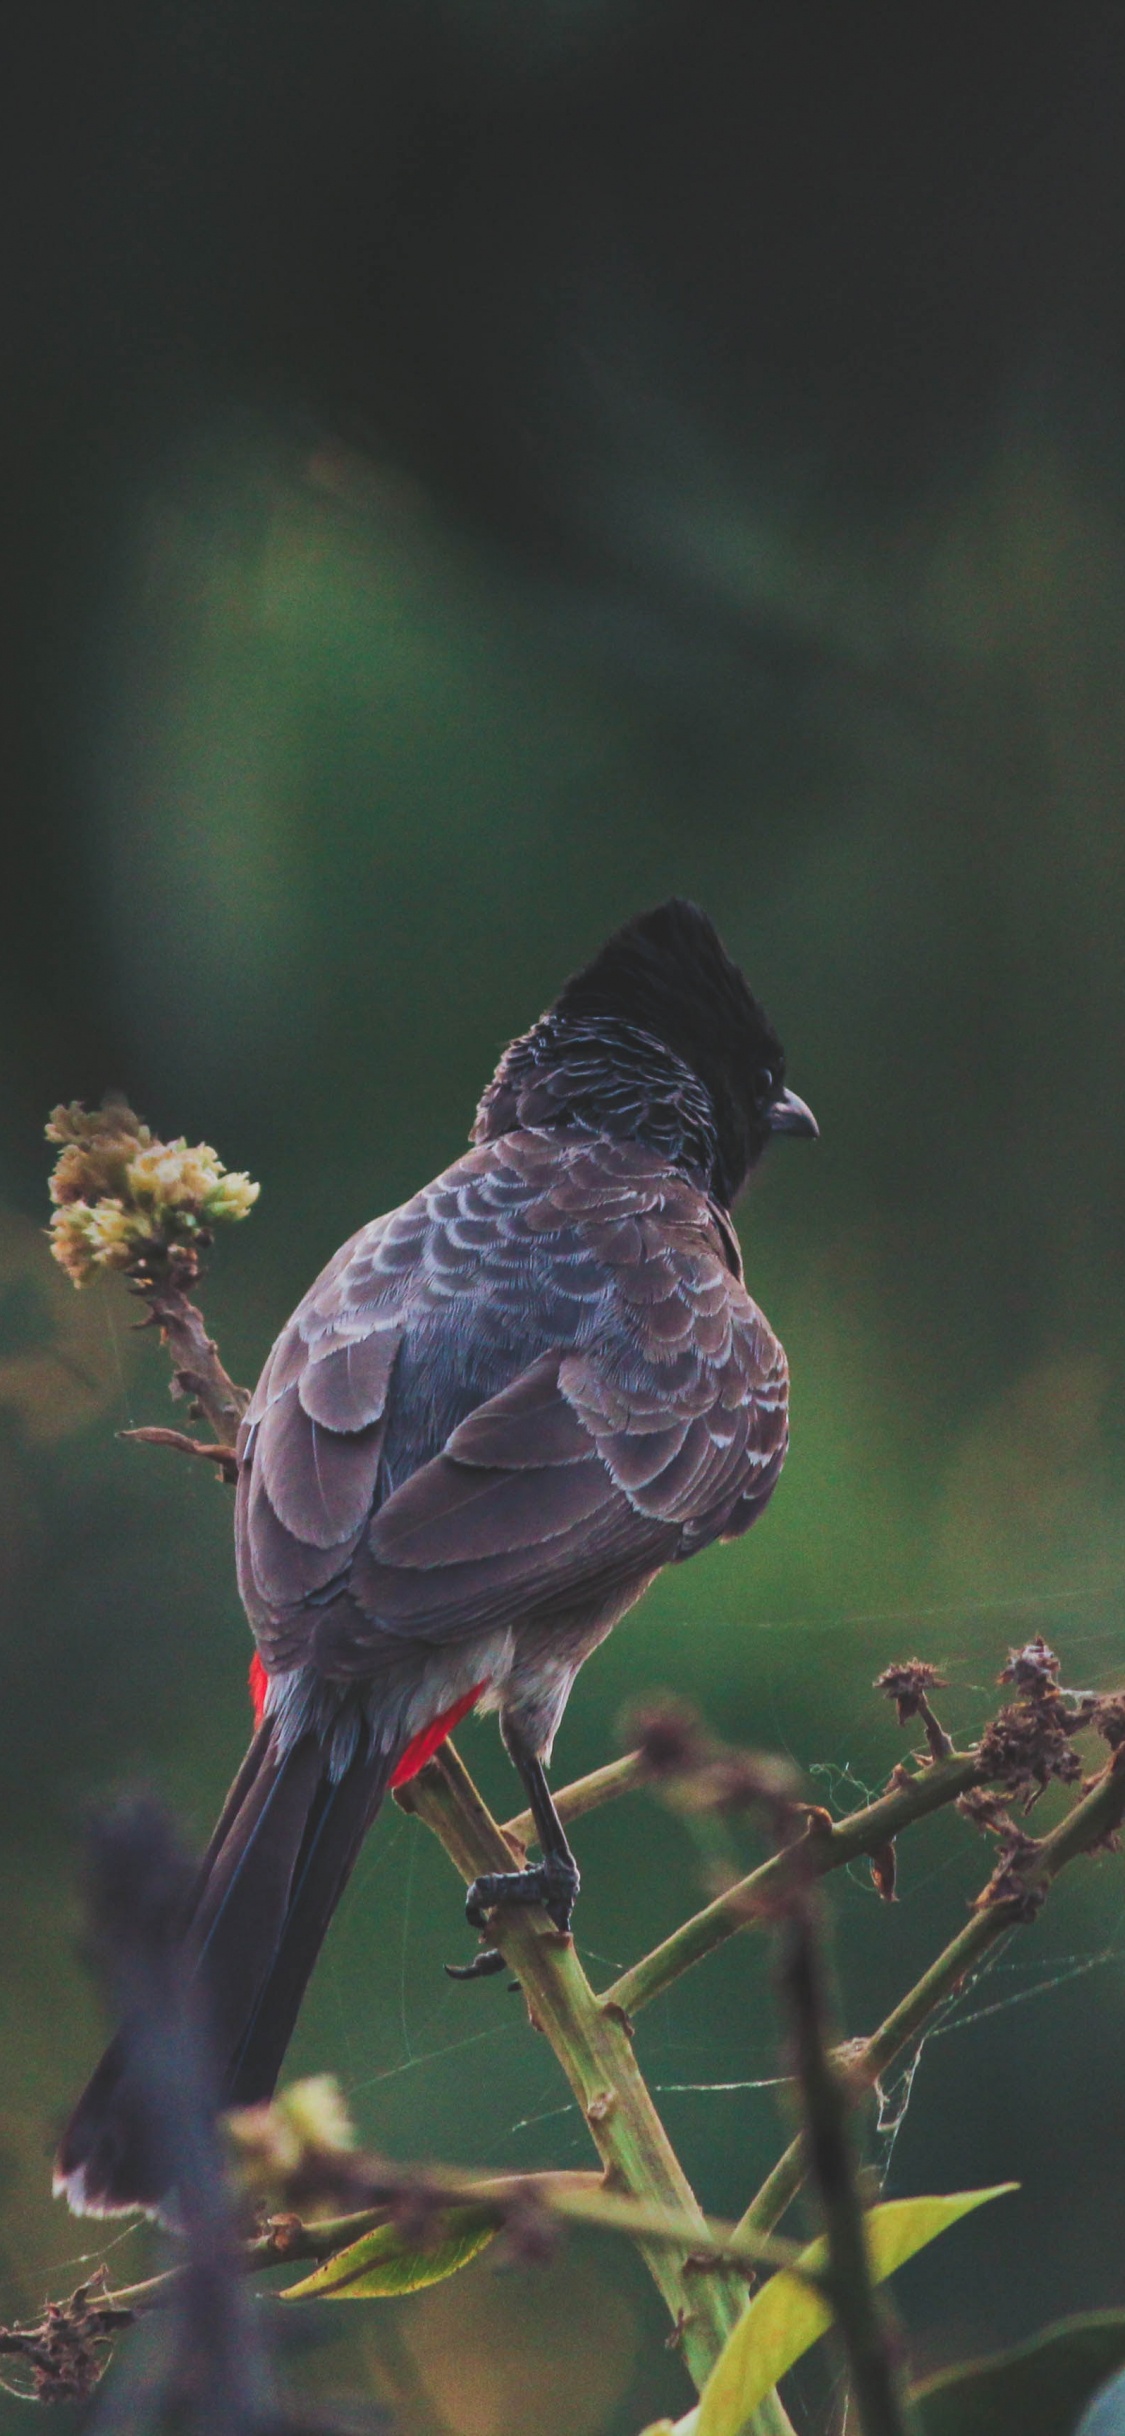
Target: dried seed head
column 987, row 1811
column 1108, row 1719
column 1033, row 1669
column 907, row 1683
column 1027, row 1747
column 1008, row 1883
column 67, row 2351
column 669, row 1736
column 733, row 1781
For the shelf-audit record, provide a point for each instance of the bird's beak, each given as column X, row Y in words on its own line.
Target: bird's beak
column 790, row 1115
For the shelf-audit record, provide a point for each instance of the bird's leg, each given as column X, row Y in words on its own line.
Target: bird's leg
column 553, row 1881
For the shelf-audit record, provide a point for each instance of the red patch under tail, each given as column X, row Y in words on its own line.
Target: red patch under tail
column 418, row 1750
column 433, row 1735
column 259, row 1686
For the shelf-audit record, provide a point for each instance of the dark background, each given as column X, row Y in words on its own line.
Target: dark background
column 468, row 471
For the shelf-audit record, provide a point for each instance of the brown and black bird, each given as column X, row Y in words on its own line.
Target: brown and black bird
column 492, row 1420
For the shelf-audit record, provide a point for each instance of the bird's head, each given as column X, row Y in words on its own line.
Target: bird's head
column 669, row 973
column 663, row 983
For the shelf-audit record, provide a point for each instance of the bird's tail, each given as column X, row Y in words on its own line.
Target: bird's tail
column 268, row 1885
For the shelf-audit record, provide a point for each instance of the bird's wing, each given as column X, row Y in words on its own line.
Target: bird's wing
column 600, row 1462
column 598, row 1395
column 312, row 1439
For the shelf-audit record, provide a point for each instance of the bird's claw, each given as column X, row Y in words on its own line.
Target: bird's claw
column 552, row 1882
column 483, row 1966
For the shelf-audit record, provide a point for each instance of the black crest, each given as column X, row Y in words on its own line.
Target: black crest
column 668, row 972
column 658, row 1037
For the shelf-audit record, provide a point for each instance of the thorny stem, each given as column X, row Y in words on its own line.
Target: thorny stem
column 826, row 1844
column 182, row 1444
column 593, row 2046
column 198, row 1373
column 1089, row 1824
column 941, row 1746
column 878, row 2388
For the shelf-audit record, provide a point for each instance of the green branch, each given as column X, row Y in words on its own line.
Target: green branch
column 573, row 2198
column 1091, row 1822
column 825, row 1845
column 592, row 2044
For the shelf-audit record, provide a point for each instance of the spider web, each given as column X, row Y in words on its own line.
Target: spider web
column 1010, row 1977
column 429, row 2035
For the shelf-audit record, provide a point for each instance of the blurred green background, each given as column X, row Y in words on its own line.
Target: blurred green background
column 469, row 473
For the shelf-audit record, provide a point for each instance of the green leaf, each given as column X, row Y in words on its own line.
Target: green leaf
column 386, row 2262
column 787, row 2315
column 1039, row 2388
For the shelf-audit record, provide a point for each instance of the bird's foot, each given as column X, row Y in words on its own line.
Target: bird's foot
column 553, row 1882
column 483, row 1966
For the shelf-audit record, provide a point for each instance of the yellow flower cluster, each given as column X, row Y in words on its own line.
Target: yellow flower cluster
column 121, row 1195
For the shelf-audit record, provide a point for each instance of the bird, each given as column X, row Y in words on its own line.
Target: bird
column 496, row 1415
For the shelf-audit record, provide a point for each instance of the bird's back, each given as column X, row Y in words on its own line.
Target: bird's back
column 534, row 1245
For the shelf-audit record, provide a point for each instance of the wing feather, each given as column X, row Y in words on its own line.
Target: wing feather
column 344, row 1387
column 611, row 1398
column 278, row 1570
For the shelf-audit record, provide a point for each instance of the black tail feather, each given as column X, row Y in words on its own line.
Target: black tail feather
column 271, row 1878
column 337, row 1824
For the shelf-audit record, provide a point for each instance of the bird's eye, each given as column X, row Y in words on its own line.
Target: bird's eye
column 763, row 1082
